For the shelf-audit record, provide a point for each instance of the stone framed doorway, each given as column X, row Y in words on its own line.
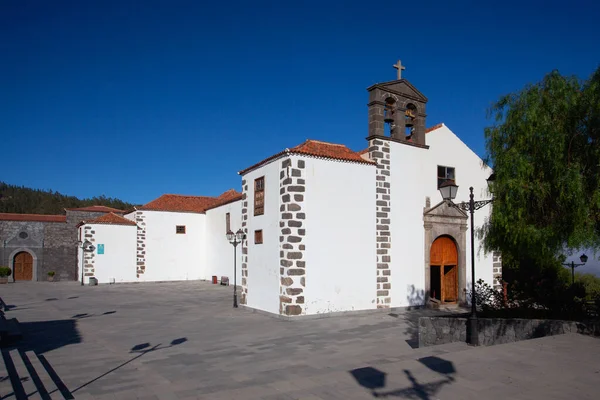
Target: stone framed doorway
column 23, row 266
column 445, row 274
column 21, row 261
column 443, row 270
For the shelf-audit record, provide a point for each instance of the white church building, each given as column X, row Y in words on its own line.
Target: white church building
column 327, row 229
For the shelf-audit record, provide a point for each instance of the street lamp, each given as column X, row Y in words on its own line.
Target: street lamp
column 572, row 265
column 448, row 191
column 86, row 247
column 235, row 239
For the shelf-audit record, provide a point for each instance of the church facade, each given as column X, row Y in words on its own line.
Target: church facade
column 332, row 230
column 327, row 229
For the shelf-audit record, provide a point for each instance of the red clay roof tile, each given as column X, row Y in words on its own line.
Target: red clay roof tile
column 197, row 204
column 111, row 219
column 318, row 149
column 97, row 209
column 433, row 128
column 32, row 217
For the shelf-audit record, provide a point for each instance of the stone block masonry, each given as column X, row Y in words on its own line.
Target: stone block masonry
column 292, row 239
column 497, row 270
column 140, row 220
column 379, row 151
column 88, row 257
column 244, row 295
column 440, row 330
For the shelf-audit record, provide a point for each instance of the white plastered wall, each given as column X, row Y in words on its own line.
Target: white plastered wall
column 117, row 264
column 219, row 252
column 171, row 256
column 413, row 178
column 448, row 150
column 340, row 236
column 263, row 259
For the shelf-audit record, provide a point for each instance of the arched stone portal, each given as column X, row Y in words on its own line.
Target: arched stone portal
column 445, row 253
column 23, row 266
column 443, row 270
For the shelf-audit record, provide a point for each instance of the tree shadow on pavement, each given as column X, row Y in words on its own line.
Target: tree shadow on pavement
column 375, row 380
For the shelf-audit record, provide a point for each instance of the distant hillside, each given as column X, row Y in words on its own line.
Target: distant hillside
column 19, row 199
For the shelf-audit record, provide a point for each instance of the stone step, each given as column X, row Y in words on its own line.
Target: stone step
column 6, row 389
column 45, row 383
column 23, row 376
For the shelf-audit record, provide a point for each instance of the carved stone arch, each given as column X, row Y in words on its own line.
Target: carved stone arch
column 11, row 262
column 386, row 96
column 443, row 220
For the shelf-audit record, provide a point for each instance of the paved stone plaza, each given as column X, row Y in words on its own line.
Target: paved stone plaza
column 185, row 341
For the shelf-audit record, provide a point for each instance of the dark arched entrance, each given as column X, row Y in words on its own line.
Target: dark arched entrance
column 23, row 266
column 443, row 262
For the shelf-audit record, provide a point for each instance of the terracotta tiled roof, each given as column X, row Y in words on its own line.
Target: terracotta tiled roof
column 228, row 197
column 365, row 151
column 197, row 204
column 32, row 217
column 111, row 219
column 433, row 128
column 176, row 202
column 97, row 209
column 318, row 149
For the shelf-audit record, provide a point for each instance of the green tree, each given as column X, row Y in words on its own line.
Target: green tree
column 545, row 150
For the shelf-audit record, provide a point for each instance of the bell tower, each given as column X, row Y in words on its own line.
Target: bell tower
column 399, row 106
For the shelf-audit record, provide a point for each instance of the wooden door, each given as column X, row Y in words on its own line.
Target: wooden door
column 23, row 267
column 450, row 284
column 444, row 255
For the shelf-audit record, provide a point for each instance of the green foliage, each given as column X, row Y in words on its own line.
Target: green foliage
column 545, row 147
column 591, row 285
column 19, row 199
column 5, row 272
column 51, row 273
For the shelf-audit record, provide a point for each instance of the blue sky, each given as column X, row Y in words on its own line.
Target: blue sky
column 177, row 96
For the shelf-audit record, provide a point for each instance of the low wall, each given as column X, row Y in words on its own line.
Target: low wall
column 440, row 330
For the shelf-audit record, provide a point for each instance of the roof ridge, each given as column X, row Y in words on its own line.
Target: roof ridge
column 323, row 142
column 186, row 195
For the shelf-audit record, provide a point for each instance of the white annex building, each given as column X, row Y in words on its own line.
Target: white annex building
column 327, row 229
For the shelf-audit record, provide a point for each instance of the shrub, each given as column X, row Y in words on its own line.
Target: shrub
column 5, row 272
column 51, row 273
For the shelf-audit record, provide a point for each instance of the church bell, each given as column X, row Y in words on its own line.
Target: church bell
column 389, row 115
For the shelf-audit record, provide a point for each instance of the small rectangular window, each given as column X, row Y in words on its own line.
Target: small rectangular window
column 227, row 222
column 258, row 238
column 445, row 174
column 259, row 196
column 180, row 229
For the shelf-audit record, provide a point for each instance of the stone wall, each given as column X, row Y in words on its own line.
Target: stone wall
column 53, row 246
column 491, row 331
column 244, row 295
column 140, row 220
column 292, row 265
column 16, row 236
column 88, row 257
column 60, row 252
column 497, row 265
column 379, row 151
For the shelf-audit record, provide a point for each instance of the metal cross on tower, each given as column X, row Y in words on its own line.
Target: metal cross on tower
column 400, row 68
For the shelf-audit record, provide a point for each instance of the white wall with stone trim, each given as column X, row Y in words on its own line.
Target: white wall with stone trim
column 118, row 262
column 408, row 189
column 219, row 252
column 447, row 149
column 170, row 256
column 414, row 177
column 263, row 263
column 340, row 236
